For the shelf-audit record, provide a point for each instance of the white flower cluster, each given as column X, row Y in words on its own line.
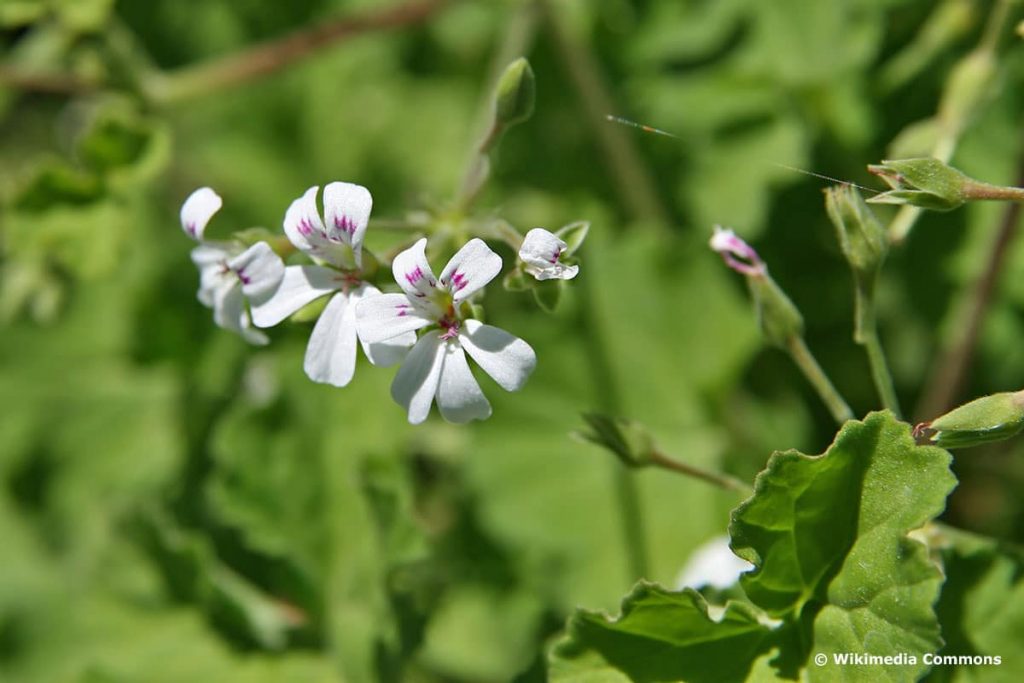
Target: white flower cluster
column 428, row 326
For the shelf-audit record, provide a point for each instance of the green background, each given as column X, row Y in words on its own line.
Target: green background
column 177, row 506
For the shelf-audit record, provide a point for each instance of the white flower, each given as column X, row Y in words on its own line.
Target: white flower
column 229, row 274
column 436, row 367
column 540, row 251
column 713, row 564
column 337, row 250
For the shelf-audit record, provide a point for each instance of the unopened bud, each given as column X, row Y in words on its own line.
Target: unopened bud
column 990, row 418
column 515, row 94
column 779, row 319
column 926, row 183
column 628, row 440
column 861, row 237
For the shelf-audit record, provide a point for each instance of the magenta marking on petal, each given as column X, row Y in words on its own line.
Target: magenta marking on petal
column 305, row 227
column 554, row 257
column 345, row 224
column 458, row 281
column 414, row 276
column 190, row 228
column 240, row 272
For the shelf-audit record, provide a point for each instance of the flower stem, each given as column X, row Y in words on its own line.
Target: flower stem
column 866, row 334
column 724, row 481
column 804, row 360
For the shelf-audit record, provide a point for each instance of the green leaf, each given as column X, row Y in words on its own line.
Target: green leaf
column 829, row 533
column 660, row 636
column 982, row 605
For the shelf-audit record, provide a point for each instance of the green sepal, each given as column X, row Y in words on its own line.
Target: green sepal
column 628, row 440
column 991, row 418
column 548, row 294
column 515, row 281
column 573, row 235
column 926, row 183
column 310, row 311
column 861, row 237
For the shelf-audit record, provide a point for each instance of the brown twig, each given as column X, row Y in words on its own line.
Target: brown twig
column 43, row 82
column 949, row 371
column 242, row 66
column 264, row 58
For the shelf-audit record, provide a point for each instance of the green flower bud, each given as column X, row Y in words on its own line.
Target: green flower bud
column 990, row 418
column 515, row 95
column 628, row 440
column 778, row 317
column 926, row 183
column 862, row 238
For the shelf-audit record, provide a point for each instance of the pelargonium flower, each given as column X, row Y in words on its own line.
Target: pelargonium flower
column 436, row 368
column 736, row 253
column 228, row 273
column 540, row 252
column 337, row 251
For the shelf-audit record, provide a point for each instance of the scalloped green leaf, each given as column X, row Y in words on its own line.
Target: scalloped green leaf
column 828, row 536
column 661, row 635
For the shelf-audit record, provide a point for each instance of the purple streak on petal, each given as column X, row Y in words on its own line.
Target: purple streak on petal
column 345, row 224
column 458, row 281
column 736, row 253
column 415, row 276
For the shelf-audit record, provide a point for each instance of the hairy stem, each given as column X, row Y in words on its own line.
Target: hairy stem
column 866, row 334
column 804, row 360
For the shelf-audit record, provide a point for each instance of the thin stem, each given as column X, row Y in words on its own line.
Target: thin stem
column 866, row 334
column 949, row 370
column 976, row 190
column 635, row 182
column 44, row 82
column 724, row 481
column 804, row 360
column 627, row 491
column 273, row 55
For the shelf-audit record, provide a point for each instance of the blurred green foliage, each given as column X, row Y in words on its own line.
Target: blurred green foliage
column 176, row 506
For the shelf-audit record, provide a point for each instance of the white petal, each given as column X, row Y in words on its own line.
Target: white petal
column 197, row 211
column 306, row 231
column 208, row 253
column 229, row 312
column 713, row 564
column 347, row 213
column 260, row 271
column 416, row 383
column 540, row 252
column 458, row 395
column 471, row 268
column 506, row 358
column 331, row 354
column 384, row 317
column 386, row 353
column 299, row 286
column 412, row 272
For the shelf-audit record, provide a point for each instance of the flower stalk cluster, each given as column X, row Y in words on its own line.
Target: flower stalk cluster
column 430, row 326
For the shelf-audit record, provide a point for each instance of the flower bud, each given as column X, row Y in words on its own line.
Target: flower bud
column 926, row 183
column 861, row 237
column 628, row 440
column 515, row 94
column 777, row 316
column 990, row 418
